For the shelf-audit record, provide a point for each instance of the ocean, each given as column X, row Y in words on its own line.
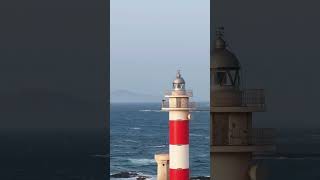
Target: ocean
column 139, row 130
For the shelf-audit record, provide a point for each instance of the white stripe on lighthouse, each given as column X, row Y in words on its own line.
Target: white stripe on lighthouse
column 178, row 115
column 179, row 156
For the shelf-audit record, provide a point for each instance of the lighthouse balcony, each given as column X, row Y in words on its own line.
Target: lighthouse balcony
column 248, row 100
column 178, row 105
column 243, row 140
column 241, row 136
column 178, row 93
column 254, row 136
column 253, row 97
column 263, row 136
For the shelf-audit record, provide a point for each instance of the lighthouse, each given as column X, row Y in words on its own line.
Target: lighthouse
column 233, row 140
column 179, row 107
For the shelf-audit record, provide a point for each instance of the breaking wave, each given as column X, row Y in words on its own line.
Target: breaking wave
column 150, row 110
column 142, row 161
column 159, row 146
column 197, row 135
column 128, row 140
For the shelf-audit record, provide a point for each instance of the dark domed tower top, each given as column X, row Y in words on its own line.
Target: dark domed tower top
column 225, row 73
column 178, row 83
column 224, row 64
column 222, row 57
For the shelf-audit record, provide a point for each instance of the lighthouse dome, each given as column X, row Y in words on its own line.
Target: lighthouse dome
column 222, row 58
column 179, row 79
column 178, row 83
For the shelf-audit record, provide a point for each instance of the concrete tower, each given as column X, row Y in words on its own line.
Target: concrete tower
column 179, row 115
column 233, row 140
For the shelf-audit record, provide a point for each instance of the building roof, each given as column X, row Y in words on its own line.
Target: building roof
column 179, row 79
column 222, row 57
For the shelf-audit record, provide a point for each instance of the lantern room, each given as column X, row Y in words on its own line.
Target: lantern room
column 225, row 67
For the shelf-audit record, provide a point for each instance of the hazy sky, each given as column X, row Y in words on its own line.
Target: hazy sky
column 150, row 40
column 276, row 42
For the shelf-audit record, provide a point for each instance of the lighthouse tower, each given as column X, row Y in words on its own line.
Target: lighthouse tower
column 233, row 141
column 179, row 115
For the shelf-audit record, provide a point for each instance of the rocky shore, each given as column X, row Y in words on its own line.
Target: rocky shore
column 141, row 177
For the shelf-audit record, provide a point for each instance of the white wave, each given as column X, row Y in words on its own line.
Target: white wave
column 142, row 161
column 159, row 146
column 150, row 110
column 203, row 155
column 198, row 135
column 128, row 140
column 145, row 110
column 117, row 145
column 135, row 128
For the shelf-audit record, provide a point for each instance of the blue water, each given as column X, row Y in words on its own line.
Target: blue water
column 138, row 131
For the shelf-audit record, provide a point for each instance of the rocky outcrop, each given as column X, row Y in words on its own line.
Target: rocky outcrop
column 124, row 175
column 200, row 178
column 129, row 175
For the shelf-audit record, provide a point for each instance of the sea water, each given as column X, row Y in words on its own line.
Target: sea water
column 139, row 130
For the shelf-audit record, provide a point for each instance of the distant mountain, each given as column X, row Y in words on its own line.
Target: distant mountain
column 129, row 96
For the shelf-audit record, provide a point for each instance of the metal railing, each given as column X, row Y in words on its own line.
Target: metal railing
column 262, row 136
column 166, row 104
column 245, row 98
column 253, row 97
column 177, row 92
column 254, row 136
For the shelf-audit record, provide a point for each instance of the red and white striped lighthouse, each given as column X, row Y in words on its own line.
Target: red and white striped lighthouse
column 179, row 115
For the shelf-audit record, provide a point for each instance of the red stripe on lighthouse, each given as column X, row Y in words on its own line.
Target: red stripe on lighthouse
column 179, row 174
column 179, row 132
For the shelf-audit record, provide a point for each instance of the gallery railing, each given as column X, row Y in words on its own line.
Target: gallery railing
column 254, row 136
column 178, row 92
column 253, row 97
column 166, row 104
column 244, row 98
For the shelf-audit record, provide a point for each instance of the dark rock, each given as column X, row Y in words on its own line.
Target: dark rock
column 124, row 175
column 200, row 178
column 143, row 177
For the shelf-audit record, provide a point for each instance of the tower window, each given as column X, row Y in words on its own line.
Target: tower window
column 221, row 76
column 227, row 78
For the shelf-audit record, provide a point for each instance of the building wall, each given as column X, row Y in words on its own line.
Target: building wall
column 230, row 166
column 230, row 128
